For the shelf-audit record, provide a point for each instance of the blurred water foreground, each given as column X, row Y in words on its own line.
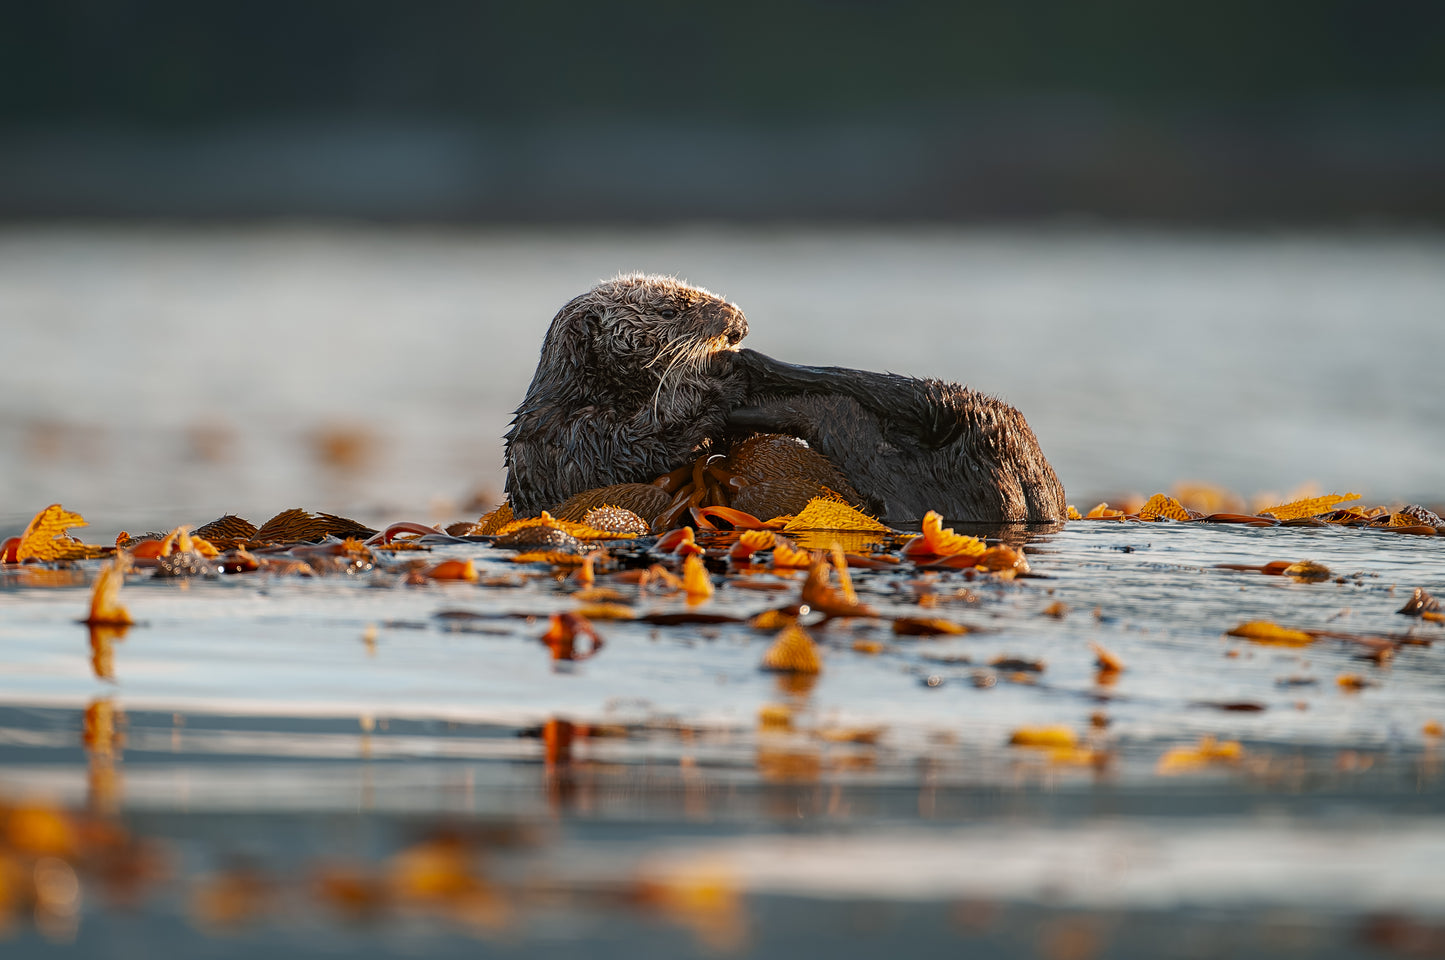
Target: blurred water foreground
column 367, row 760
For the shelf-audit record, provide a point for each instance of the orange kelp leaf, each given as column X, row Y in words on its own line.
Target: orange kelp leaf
column 657, row 573
column 829, row 514
column 1262, row 631
column 558, row 558
column 737, row 519
column 936, row 541
column 586, row 575
column 607, row 611
column 8, row 550
column 1311, row 507
column 1105, row 660
column 1206, row 752
column 1102, row 512
column 579, row 530
column 490, row 523
column 1052, row 736
column 181, row 540
column 1163, row 507
column 750, row 542
column 561, row 637
column 105, row 607
column 845, row 579
column 787, row 555
column 1002, row 559
column 770, row 620
column 926, row 627
column 695, row 581
column 454, row 570
column 40, row 831
column 45, row 536
column 1074, row 514
column 819, row 594
column 793, row 652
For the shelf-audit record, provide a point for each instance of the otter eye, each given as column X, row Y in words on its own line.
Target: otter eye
column 667, row 313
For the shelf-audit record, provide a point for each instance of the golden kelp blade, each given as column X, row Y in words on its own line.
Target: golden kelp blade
column 105, row 607
column 824, row 514
column 1312, row 507
column 1162, row 507
column 793, row 652
column 45, row 537
column 492, row 522
column 579, row 530
column 1262, row 631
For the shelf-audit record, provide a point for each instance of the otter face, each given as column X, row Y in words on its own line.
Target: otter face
column 629, row 336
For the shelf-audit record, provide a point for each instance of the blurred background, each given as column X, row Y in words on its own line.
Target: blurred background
column 260, row 255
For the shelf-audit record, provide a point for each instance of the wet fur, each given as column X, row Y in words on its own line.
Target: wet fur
column 907, row 445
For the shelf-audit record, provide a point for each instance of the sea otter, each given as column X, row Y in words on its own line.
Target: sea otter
column 641, row 376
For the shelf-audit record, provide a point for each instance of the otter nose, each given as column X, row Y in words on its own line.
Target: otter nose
column 737, row 326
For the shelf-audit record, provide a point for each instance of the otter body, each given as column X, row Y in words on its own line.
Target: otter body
column 908, row 445
column 640, row 376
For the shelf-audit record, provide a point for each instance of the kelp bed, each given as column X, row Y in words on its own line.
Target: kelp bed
column 1163, row 730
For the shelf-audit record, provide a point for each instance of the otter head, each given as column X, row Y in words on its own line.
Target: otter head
column 625, row 339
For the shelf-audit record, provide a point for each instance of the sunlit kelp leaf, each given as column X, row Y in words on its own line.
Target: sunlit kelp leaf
column 830, row 514
column 822, row 596
column 695, row 580
column 750, row 542
column 1163, row 507
column 1310, row 507
column 793, row 651
column 1206, row 752
column 1003, row 560
column 1105, row 660
column 492, row 522
column 926, row 627
column 1074, row 514
column 105, row 606
column 735, row 519
column 789, row 556
column 579, row 530
column 938, row 541
column 453, row 570
column 1262, row 631
column 562, row 633
column 1101, row 511
column 606, row 611
column 46, row 539
column 1055, row 736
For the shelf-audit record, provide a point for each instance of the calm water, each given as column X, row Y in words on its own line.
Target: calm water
column 277, row 733
column 161, row 371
